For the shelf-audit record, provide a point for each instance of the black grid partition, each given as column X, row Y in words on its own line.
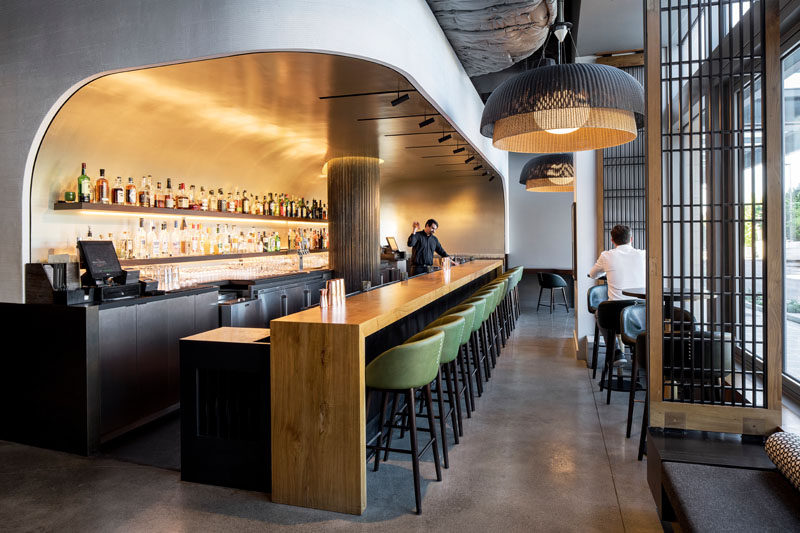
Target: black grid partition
column 713, row 184
column 624, row 176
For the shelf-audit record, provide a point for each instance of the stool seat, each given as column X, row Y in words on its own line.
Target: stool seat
column 410, row 365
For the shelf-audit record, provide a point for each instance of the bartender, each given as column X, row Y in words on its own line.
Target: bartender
column 423, row 244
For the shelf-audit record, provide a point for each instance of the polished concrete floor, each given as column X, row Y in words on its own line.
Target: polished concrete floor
column 543, row 452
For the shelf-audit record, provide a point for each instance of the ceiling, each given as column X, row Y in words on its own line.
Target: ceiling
column 615, row 25
column 266, row 120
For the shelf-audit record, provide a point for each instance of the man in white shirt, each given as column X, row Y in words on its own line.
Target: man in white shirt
column 625, row 267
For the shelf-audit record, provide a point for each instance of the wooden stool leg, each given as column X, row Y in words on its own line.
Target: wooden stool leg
column 466, row 376
column 455, row 400
column 442, row 421
column 552, row 300
column 632, row 396
column 477, row 363
column 412, row 429
column 392, row 415
column 539, row 302
column 432, row 426
column 384, row 401
column 645, row 420
column 595, row 349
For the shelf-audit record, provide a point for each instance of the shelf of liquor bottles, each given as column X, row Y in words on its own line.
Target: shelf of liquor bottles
column 217, row 257
column 138, row 211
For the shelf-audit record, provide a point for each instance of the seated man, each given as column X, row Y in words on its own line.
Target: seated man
column 624, row 267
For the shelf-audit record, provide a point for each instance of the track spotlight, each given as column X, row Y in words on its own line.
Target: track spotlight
column 478, row 167
column 400, row 99
column 490, row 179
column 485, row 174
column 426, row 122
column 470, row 158
column 459, row 150
column 445, row 138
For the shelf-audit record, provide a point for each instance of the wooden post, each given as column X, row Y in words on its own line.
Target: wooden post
column 354, row 219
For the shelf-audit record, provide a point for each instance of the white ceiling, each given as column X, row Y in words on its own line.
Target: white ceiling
column 610, row 25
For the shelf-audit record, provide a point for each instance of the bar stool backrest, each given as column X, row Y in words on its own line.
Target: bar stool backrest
column 481, row 304
column 467, row 311
column 409, row 365
column 548, row 280
column 595, row 295
column 632, row 321
column 453, row 327
column 608, row 313
column 491, row 294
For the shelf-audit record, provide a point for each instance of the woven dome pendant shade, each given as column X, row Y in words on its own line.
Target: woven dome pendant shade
column 564, row 108
column 549, row 173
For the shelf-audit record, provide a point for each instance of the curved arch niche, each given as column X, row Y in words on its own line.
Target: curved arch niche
column 266, row 123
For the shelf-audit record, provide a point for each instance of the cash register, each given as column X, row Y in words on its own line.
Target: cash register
column 104, row 273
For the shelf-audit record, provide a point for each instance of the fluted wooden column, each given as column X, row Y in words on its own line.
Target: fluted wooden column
column 354, row 219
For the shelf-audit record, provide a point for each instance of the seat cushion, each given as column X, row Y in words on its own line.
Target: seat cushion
column 783, row 449
column 716, row 498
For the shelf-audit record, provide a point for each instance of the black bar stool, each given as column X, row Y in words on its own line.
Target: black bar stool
column 608, row 318
column 596, row 295
column 633, row 321
column 553, row 282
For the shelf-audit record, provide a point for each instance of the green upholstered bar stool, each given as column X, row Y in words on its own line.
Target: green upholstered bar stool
column 491, row 326
column 516, row 277
column 500, row 315
column 452, row 326
column 402, row 370
column 459, row 368
column 505, row 305
column 479, row 356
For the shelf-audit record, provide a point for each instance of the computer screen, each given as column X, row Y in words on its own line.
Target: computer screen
column 100, row 259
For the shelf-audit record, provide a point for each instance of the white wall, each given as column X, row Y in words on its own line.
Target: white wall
column 44, row 60
column 586, row 231
column 539, row 224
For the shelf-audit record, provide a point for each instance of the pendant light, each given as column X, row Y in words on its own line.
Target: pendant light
column 564, row 107
column 549, row 173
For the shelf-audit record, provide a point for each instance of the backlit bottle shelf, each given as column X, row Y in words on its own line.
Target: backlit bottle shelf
column 161, row 212
column 196, row 258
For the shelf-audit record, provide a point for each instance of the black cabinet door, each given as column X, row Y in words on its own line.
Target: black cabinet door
column 119, row 374
column 270, row 305
column 206, row 312
column 152, row 355
column 180, row 323
column 295, row 296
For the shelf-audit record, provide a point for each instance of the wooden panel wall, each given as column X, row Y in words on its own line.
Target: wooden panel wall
column 354, row 219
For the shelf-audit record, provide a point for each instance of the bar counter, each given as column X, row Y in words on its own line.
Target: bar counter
column 317, row 381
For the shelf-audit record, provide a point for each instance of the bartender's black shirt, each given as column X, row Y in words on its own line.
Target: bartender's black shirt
column 422, row 248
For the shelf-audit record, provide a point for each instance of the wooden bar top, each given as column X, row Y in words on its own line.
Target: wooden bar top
column 375, row 309
column 233, row 335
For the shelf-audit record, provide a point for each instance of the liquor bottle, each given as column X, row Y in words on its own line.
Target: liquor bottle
column 144, row 193
column 193, row 198
column 175, row 240
column 158, row 200
column 153, row 246
column 101, row 194
column 281, row 206
column 169, row 198
column 118, row 193
column 84, row 185
column 277, row 242
column 164, row 239
column 222, row 205
column 181, row 200
column 206, row 242
column 131, row 197
column 244, row 205
column 237, row 199
column 204, row 203
column 325, row 212
column 231, row 203
column 217, row 245
column 195, row 239
column 186, row 239
column 140, row 248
